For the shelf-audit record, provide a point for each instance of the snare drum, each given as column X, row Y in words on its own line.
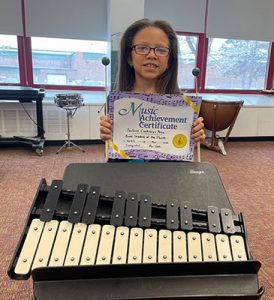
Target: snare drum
column 68, row 100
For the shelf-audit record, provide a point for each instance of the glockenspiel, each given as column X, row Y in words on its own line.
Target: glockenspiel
column 87, row 235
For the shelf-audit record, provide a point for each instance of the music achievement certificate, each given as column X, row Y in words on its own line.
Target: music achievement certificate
column 152, row 126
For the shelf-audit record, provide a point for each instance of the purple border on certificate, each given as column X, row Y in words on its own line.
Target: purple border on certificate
column 159, row 99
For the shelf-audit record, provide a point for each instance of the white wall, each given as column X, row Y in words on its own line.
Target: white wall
column 84, row 125
column 251, row 122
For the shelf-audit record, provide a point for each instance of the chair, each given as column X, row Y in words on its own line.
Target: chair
column 218, row 116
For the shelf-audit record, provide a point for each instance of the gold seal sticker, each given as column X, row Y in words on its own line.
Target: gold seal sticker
column 179, row 140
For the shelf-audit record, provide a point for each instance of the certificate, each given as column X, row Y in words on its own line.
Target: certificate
column 152, row 126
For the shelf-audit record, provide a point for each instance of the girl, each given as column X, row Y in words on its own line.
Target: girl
column 149, row 64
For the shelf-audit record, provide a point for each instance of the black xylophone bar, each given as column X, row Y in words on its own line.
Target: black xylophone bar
column 72, row 212
column 132, row 210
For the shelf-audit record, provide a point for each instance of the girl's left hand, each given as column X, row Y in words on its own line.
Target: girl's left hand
column 198, row 133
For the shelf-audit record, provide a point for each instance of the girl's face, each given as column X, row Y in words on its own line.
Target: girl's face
column 149, row 67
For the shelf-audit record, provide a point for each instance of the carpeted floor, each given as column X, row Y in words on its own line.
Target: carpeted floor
column 247, row 173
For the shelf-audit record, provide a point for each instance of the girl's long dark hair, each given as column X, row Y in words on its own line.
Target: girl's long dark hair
column 167, row 83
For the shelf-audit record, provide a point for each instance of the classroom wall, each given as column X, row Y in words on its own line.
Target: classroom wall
column 99, row 19
column 90, row 19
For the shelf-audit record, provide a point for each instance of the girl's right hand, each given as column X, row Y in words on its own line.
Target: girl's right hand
column 105, row 127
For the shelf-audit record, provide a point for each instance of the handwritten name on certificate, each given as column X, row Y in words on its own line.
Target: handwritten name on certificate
column 152, row 126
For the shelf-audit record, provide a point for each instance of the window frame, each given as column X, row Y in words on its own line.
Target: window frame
column 198, row 57
column 26, row 69
column 270, row 65
column 201, row 63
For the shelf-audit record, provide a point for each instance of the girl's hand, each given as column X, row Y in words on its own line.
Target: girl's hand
column 198, row 133
column 105, row 127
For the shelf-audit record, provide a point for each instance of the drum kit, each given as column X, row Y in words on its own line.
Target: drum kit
column 69, row 102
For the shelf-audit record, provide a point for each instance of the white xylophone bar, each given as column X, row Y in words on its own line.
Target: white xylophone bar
column 65, row 244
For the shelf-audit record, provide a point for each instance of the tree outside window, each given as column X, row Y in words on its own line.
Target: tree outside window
column 236, row 64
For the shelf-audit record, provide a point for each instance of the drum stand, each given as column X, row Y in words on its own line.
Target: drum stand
column 69, row 144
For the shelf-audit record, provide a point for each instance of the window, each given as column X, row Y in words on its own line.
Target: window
column 9, row 64
column 236, row 64
column 68, row 62
column 230, row 65
column 187, row 60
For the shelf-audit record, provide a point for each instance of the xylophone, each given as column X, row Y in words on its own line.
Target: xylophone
column 127, row 238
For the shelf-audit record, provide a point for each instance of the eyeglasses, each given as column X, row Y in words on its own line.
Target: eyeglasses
column 144, row 50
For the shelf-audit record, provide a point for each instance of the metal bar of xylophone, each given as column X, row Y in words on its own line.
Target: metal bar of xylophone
column 87, row 243
column 85, row 228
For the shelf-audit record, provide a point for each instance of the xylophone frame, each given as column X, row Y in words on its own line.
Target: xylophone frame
column 199, row 280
